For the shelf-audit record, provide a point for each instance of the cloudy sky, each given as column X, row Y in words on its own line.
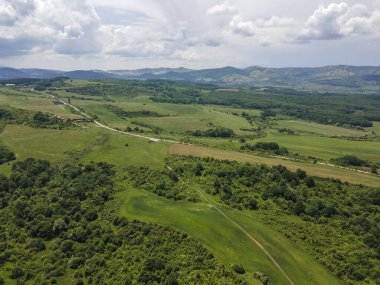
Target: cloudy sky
column 115, row 34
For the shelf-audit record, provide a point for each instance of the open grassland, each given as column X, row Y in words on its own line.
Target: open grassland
column 203, row 118
column 122, row 150
column 375, row 128
column 89, row 144
column 312, row 169
column 226, row 241
column 315, row 128
column 326, row 148
column 54, row 145
column 33, row 102
column 176, row 118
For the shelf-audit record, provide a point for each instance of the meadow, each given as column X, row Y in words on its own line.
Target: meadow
column 87, row 142
column 326, row 148
column 225, row 240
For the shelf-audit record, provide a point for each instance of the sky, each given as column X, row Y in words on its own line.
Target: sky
column 130, row 34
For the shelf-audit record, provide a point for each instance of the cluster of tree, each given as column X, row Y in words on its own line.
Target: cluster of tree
column 6, row 155
column 58, row 226
column 130, row 114
column 349, row 213
column 349, row 160
column 10, row 115
column 271, row 147
column 164, row 183
column 286, row 131
column 213, row 133
column 155, row 129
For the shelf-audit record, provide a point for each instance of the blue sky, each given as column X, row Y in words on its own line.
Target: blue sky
column 113, row 34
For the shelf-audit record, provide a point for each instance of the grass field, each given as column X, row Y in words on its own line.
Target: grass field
column 326, row 148
column 33, row 102
column 315, row 128
column 312, row 169
column 176, row 118
column 48, row 144
column 225, row 241
column 90, row 144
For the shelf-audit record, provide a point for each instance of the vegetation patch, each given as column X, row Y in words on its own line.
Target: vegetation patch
column 213, row 133
column 57, row 226
column 6, row 155
column 348, row 213
column 270, row 147
column 131, row 114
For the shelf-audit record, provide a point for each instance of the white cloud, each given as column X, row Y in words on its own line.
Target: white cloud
column 65, row 26
column 338, row 20
column 240, row 26
column 188, row 54
column 222, row 9
column 275, row 21
column 186, row 32
column 7, row 14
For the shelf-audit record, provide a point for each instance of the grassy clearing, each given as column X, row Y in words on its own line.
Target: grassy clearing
column 375, row 128
column 312, row 169
column 224, row 240
column 204, row 118
column 326, row 130
column 54, row 145
column 177, row 118
column 326, row 148
column 91, row 144
column 139, row 152
column 34, row 102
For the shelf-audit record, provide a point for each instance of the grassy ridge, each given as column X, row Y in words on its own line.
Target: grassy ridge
column 225, row 240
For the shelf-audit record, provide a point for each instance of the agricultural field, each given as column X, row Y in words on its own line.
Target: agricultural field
column 206, row 130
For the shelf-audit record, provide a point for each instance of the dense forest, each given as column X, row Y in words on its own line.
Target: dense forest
column 337, row 222
column 58, row 226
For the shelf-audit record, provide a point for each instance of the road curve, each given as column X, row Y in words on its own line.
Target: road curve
column 112, row 129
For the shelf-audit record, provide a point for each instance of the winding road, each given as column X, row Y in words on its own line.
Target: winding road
column 112, row 129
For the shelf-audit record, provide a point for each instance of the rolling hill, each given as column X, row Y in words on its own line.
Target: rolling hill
column 328, row 77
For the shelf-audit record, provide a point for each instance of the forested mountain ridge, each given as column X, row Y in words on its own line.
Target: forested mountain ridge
column 327, row 76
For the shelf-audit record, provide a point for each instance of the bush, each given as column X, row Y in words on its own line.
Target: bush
column 239, row 269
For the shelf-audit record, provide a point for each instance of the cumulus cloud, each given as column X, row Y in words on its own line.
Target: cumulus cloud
column 222, row 9
column 242, row 27
column 338, row 20
column 7, row 14
column 188, row 54
column 66, row 26
column 275, row 21
column 129, row 41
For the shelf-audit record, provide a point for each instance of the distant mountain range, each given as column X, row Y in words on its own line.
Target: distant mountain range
column 328, row 76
